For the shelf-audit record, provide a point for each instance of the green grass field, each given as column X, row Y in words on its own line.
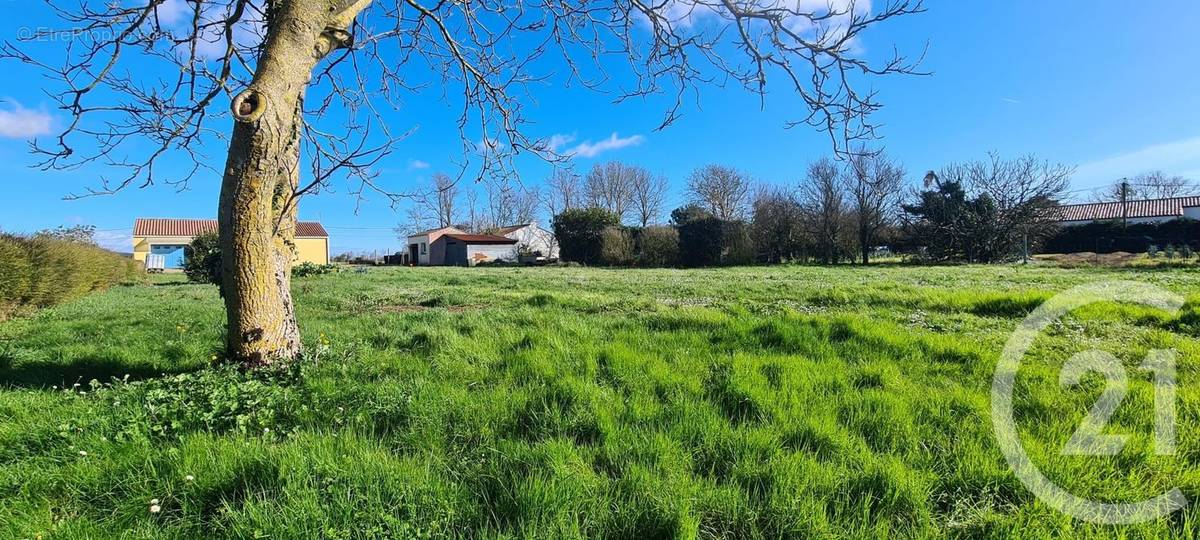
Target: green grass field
column 782, row 402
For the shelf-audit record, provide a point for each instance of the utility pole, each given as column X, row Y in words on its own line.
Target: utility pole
column 1124, row 203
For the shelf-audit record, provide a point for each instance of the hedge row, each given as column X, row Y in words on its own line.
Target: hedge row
column 39, row 271
column 1111, row 236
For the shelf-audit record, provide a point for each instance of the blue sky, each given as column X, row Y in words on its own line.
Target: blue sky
column 1101, row 85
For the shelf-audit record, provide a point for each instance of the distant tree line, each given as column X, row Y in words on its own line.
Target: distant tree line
column 847, row 211
column 840, row 211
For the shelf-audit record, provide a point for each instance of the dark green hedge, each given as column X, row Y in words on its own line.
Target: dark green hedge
column 39, row 271
column 1110, row 236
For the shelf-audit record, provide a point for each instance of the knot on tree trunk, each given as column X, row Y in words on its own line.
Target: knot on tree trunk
column 333, row 38
column 248, row 106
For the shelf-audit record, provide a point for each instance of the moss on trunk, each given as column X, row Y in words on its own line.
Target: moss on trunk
column 257, row 218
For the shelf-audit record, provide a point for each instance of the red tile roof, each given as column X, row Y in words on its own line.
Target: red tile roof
column 193, row 227
column 1137, row 209
column 481, row 238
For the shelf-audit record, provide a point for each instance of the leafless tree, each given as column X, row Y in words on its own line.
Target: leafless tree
column 564, row 191
column 475, row 220
column 649, row 196
column 1025, row 190
column 823, row 197
column 610, row 186
column 441, row 200
column 777, row 226
column 509, row 203
column 311, row 77
column 875, row 185
column 723, row 190
column 1148, row 185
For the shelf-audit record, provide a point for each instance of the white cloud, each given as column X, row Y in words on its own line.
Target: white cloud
column 121, row 242
column 17, row 122
column 832, row 16
column 588, row 149
column 211, row 45
column 415, row 164
column 559, row 140
column 173, row 11
column 1177, row 157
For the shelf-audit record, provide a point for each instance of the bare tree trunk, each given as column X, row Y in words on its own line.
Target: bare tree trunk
column 257, row 212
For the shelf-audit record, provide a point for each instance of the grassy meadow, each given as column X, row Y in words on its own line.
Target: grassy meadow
column 773, row 402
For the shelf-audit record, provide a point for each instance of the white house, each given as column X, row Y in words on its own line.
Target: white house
column 531, row 239
column 1144, row 211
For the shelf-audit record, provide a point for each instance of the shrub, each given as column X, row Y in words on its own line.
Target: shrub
column 1112, row 236
column 43, row 270
column 305, row 269
column 616, row 247
column 202, row 263
column 580, row 233
column 658, row 247
column 705, row 240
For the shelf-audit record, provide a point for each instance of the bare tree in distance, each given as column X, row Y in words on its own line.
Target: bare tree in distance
column 1148, row 185
column 564, row 191
column 777, row 227
column 441, row 201
column 610, row 186
column 725, row 191
column 508, row 203
column 1026, row 190
column 475, row 220
column 823, row 198
column 875, row 184
column 274, row 80
column 649, row 196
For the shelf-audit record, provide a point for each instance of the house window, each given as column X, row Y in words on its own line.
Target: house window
column 423, row 246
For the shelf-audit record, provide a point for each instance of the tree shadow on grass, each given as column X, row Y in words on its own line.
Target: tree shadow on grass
column 41, row 374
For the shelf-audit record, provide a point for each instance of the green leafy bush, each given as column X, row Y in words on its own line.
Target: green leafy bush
column 43, row 270
column 658, row 247
column 580, row 233
column 305, row 269
column 705, row 240
column 616, row 247
column 203, row 261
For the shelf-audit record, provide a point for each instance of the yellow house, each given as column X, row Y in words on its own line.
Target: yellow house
column 167, row 237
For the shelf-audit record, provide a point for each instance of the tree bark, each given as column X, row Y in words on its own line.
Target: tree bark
column 257, row 216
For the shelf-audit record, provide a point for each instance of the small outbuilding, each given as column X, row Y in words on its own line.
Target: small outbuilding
column 471, row 249
column 424, row 248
